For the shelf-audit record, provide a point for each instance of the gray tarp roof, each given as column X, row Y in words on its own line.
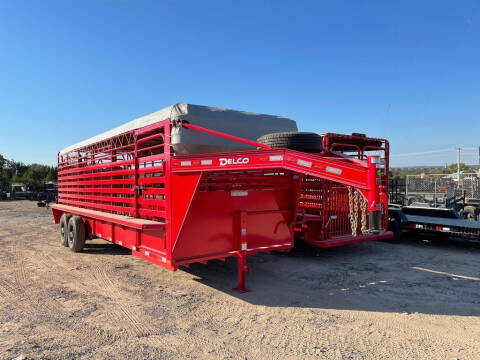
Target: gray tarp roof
column 241, row 122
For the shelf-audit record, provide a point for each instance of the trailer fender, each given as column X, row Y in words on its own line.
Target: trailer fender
column 396, row 218
column 398, row 214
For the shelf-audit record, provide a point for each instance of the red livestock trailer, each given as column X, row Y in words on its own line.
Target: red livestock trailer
column 135, row 187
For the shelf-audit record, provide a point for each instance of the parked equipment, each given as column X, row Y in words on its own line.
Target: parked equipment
column 21, row 191
column 460, row 192
column 47, row 194
column 429, row 220
column 154, row 186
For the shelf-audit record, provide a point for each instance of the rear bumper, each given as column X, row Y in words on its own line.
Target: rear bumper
column 348, row 239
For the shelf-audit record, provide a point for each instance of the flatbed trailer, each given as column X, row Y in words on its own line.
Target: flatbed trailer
column 434, row 221
column 173, row 210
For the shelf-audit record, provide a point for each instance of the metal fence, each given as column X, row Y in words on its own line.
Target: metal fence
column 436, row 188
column 396, row 191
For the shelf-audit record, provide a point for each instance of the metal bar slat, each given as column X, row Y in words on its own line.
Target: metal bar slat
column 99, row 174
column 152, row 202
column 154, row 191
column 112, row 199
column 96, row 190
column 95, row 167
column 153, row 169
column 100, row 182
column 151, row 180
column 99, row 206
column 152, row 213
column 150, row 158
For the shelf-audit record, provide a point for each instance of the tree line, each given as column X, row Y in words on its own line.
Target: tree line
column 33, row 174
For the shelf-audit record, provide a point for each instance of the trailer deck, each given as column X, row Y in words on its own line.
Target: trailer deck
column 434, row 221
column 459, row 223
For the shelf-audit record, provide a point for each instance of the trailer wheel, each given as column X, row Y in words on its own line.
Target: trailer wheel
column 395, row 227
column 469, row 213
column 76, row 234
column 301, row 141
column 414, row 199
column 64, row 229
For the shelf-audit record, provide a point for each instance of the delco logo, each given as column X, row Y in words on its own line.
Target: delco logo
column 233, row 161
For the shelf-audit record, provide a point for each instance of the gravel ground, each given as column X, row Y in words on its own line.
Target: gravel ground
column 418, row 299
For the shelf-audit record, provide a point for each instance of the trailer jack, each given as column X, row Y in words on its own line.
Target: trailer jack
column 242, row 269
column 375, row 221
column 242, row 266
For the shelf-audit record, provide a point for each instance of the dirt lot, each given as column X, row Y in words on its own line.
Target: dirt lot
column 415, row 300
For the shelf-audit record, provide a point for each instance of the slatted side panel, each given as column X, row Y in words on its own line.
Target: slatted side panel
column 151, row 184
column 329, row 202
column 246, row 180
column 122, row 175
column 100, row 176
column 312, row 195
column 338, row 212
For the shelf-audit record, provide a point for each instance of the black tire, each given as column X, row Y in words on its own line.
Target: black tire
column 301, row 141
column 469, row 213
column 76, row 234
column 414, row 199
column 395, row 227
column 64, row 229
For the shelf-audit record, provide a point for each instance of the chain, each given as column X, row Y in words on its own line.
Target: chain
column 355, row 202
column 350, row 208
column 364, row 215
column 353, row 207
column 355, row 210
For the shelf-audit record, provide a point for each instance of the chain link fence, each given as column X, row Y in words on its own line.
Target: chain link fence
column 436, row 188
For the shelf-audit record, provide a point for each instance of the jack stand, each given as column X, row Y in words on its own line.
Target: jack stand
column 242, row 269
column 242, row 266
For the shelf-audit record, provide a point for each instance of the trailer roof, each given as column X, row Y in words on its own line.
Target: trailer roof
column 179, row 111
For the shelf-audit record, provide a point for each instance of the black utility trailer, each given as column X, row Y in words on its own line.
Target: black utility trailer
column 441, row 190
column 435, row 221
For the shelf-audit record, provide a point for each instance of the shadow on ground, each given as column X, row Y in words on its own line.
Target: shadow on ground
column 418, row 274
column 105, row 248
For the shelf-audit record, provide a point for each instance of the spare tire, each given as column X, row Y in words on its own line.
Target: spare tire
column 301, row 141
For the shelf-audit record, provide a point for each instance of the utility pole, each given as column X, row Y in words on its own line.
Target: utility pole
column 458, row 163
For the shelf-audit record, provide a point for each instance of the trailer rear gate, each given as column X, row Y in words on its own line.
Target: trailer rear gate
column 132, row 190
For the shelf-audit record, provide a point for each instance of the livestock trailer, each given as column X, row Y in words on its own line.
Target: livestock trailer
column 190, row 184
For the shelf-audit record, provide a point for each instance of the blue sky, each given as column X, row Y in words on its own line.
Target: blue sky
column 408, row 71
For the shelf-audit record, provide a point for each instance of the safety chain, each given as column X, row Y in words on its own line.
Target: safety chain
column 354, row 198
column 364, row 214
column 353, row 206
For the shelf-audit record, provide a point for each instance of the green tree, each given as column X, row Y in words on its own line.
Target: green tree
column 453, row 168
